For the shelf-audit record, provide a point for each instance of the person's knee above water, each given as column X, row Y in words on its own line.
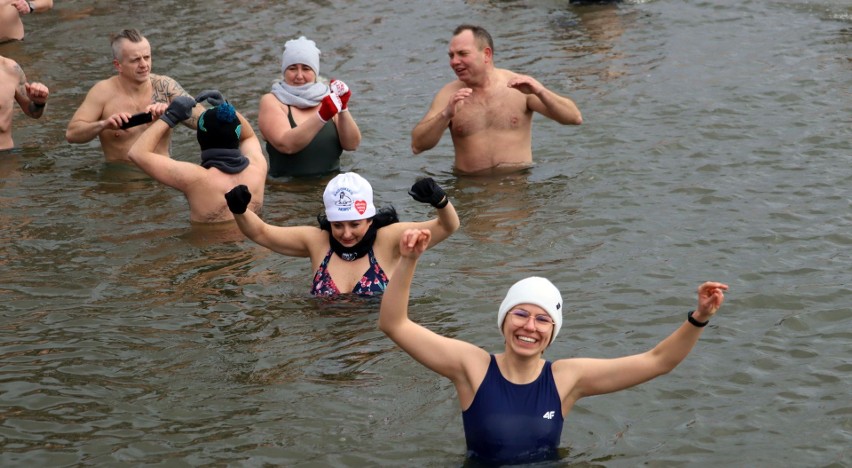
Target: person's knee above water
column 354, row 250
column 513, row 403
column 306, row 123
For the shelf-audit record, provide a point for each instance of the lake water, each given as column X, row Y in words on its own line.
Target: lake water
column 715, row 146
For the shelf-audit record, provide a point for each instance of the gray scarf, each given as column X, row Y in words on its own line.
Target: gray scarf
column 308, row 95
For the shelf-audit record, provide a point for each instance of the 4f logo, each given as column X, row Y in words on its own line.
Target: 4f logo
column 549, row 415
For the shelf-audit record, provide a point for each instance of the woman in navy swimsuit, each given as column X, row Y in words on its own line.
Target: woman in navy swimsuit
column 513, row 403
column 355, row 248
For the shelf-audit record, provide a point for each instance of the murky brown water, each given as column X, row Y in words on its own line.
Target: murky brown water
column 716, row 145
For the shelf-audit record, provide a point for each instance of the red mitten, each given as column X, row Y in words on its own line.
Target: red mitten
column 329, row 107
column 341, row 90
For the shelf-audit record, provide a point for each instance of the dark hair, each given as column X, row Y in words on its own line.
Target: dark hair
column 132, row 35
column 481, row 36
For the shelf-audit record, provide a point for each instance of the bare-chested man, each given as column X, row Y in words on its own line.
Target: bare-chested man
column 32, row 97
column 11, row 26
column 111, row 102
column 487, row 109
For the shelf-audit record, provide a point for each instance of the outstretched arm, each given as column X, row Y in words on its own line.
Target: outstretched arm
column 546, row 102
column 291, row 241
column 443, row 355
column 597, row 376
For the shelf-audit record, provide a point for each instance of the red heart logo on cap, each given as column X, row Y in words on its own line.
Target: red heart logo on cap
column 361, row 206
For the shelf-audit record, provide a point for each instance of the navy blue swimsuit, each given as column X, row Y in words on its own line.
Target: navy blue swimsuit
column 511, row 423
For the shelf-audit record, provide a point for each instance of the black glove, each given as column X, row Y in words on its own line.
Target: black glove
column 427, row 191
column 212, row 96
column 179, row 110
column 238, row 199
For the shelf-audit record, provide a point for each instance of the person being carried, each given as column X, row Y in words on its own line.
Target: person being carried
column 488, row 110
column 118, row 109
column 355, row 249
column 11, row 26
column 306, row 123
column 230, row 155
column 31, row 97
column 514, row 403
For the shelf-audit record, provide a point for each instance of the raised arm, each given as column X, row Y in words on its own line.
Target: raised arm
column 546, row 102
column 446, row 356
column 166, row 91
column 291, row 241
column 348, row 131
column 597, row 376
column 250, row 144
column 426, row 190
column 176, row 174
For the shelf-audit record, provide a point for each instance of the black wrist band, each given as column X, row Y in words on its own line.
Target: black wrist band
column 442, row 203
column 695, row 322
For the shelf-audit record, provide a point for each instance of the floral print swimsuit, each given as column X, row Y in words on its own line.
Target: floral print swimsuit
column 372, row 283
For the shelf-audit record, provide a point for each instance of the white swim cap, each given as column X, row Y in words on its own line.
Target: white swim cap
column 348, row 197
column 537, row 291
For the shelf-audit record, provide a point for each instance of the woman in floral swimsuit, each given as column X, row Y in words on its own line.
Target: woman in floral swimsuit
column 356, row 247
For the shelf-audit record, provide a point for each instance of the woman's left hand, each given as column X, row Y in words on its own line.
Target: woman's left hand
column 710, row 297
column 414, row 242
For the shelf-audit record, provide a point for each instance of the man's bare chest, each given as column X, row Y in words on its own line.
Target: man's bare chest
column 492, row 115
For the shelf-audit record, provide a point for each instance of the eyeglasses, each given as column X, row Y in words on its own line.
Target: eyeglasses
column 520, row 317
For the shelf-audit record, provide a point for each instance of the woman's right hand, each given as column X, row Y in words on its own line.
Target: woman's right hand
column 414, row 242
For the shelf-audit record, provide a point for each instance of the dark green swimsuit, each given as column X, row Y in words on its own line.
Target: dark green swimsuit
column 321, row 156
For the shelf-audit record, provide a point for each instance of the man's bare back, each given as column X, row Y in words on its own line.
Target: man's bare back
column 205, row 185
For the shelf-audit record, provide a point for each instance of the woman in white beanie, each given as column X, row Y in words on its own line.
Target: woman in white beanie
column 305, row 122
column 355, row 249
column 513, row 403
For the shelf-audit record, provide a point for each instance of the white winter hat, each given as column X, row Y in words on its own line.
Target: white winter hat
column 348, row 197
column 537, row 291
column 301, row 50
